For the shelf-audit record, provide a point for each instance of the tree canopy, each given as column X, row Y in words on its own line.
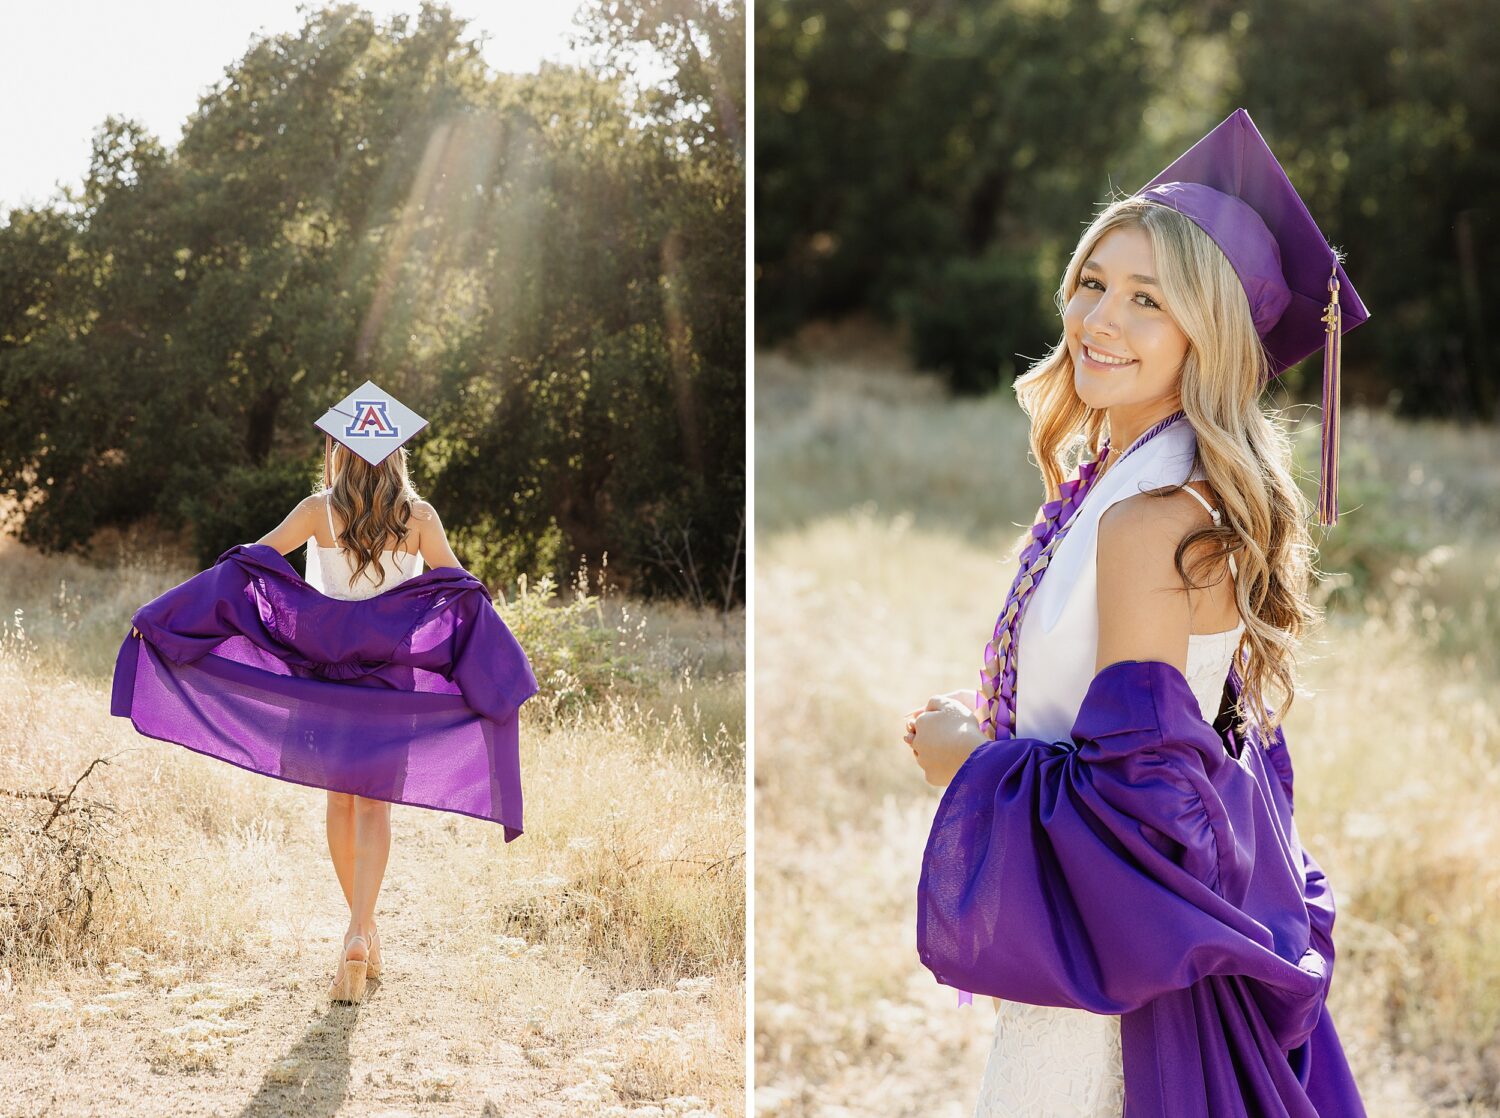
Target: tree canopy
column 549, row 267
column 934, row 162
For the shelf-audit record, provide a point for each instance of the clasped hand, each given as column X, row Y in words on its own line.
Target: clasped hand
column 942, row 735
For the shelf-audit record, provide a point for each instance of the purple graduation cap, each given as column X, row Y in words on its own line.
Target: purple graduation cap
column 1232, row 188
column 371, row 422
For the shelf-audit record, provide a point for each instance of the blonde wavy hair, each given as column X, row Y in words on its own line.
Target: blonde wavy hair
column 373, row 502
column 1243, row 447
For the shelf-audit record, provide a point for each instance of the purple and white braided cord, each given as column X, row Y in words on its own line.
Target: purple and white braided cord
column 995, row 701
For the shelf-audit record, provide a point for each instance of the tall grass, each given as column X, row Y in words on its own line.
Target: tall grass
column 627, row 891
column 886, row 512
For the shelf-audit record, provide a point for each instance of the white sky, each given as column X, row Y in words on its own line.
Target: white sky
column 67, row 64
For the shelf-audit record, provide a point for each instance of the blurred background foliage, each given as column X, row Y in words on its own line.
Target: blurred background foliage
column 548, row 266
column 933, row 162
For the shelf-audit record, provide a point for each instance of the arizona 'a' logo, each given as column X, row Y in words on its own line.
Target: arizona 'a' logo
column 370, row 421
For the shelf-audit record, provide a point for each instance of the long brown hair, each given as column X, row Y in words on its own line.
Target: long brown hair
column 1243, row 446
column 373, row 502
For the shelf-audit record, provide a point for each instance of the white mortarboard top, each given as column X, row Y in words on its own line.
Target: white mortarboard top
column 371, row 422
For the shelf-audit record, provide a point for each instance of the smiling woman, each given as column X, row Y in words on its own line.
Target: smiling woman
column 1126, row 349
column 1115, row 838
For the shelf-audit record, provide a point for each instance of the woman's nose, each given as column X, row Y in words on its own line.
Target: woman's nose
column 1102, row 318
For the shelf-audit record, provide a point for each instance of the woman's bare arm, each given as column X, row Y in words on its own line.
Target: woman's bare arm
column 1144, row 611
column 299, row 526
column 436, row 551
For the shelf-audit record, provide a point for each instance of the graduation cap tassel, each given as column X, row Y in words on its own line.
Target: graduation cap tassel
column 1328, row 482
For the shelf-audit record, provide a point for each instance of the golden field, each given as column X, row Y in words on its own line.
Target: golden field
column 165, row 942
column 886, row 512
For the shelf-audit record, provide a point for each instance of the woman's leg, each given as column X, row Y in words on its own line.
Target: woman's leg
column 372, row 850
column 341, row 841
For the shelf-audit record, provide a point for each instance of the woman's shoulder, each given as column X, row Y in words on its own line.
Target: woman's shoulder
column 1155, row 521
column 423, row 511
column 1137, row 558
column 1142, row 611
column 312, row 505
column 1142, row 532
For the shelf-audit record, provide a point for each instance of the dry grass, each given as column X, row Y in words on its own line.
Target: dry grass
column 595, row 966
column 884, row 514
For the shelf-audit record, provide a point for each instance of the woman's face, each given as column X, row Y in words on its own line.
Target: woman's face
column 1126, row 349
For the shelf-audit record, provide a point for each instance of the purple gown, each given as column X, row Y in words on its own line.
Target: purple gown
column 1149, row 868
column 411, row 696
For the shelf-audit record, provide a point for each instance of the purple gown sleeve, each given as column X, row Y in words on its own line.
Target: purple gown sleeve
column 190, row 620
column 1142, row 869
column 490, row 668
column 411, row 695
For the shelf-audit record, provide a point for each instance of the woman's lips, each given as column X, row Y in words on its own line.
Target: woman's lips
column 1101, row 366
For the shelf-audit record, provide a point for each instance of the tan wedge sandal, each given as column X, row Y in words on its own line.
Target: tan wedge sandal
column 372, row 960
column 349, row 983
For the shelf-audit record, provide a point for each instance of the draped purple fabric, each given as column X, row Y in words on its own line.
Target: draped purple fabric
column 411, row 696
column 1149, row 868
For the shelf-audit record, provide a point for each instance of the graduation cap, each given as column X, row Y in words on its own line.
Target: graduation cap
column 1231, row 186
column 371, row 422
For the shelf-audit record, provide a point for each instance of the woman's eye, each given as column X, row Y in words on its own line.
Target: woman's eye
column 1093, row 283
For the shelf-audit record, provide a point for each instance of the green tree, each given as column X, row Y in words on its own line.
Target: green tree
column 549, row 267
column 932, row 162
column 914, row 159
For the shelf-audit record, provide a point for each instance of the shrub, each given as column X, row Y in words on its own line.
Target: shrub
column 576, row 655
column 973, row 319
column 239, row 505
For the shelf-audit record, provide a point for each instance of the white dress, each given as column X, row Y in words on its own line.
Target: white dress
column 330, row 570
column 1047, row 1062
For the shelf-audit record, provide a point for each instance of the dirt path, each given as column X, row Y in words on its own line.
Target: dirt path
column 461, row 1022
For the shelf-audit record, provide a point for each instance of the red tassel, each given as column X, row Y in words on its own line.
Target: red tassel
column 1328, row 481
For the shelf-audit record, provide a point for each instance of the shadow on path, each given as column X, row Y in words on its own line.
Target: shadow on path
column 311, row 1080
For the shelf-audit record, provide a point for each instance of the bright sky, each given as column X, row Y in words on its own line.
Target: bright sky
column 67, row 64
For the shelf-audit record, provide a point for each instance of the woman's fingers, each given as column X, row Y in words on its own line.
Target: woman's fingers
column 915, row 728
column 912, row 715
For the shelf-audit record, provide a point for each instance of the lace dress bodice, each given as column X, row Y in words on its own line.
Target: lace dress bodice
column 330, row 570
column 1048, row 1062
